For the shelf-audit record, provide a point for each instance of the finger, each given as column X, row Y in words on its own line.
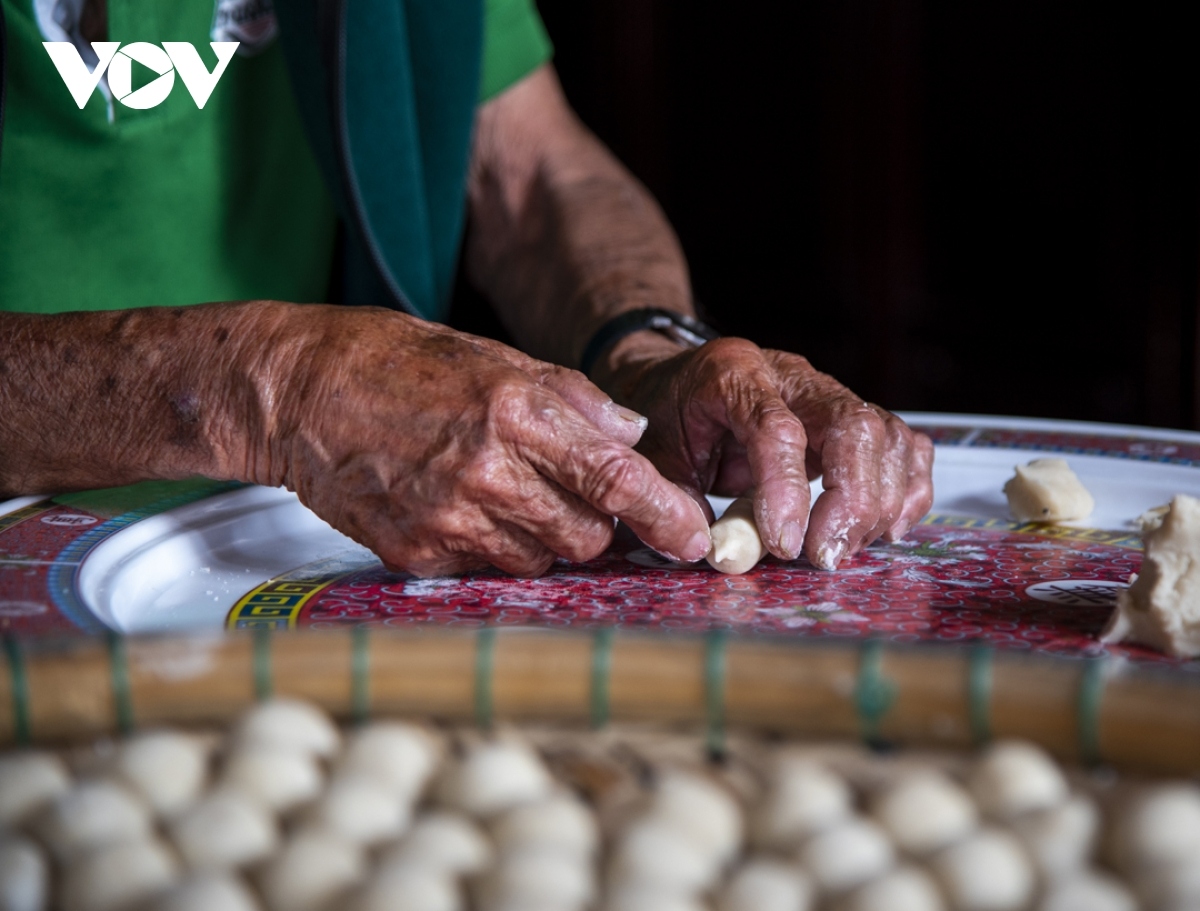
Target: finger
column 918, row 497
column 893, row 476
column 560, row 520
column 622, row 424
column 516, row 552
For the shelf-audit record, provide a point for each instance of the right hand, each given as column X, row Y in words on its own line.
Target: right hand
column 445, row 452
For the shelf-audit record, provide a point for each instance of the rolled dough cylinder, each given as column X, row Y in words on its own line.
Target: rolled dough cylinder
column 1014, row 777
column 562, row 822
column 224, row 829
column 1087, row 891
column 289, row 724
column 537, row 876
column 118, row 877
column 767, row 885
column 654, row 855
column 360, row 809
column 1062, row 838
column 29, row 781
column 401, row 756
column 311, row 871
column 985, row 872
column 1046, row 490
column 208, row 892
column 90, row 815
column 408, row 888
column 167, row 768
column 1157, row 827
column 701, row 811
column 442, row 842
column 24, row 875
column 847, row 855
column 279, row 777
column 802, row 798
column 493, row 777
column 924, row 812
column 902, row 889
column 736, row 543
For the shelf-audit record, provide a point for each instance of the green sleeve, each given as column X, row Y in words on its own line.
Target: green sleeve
column 515, row 43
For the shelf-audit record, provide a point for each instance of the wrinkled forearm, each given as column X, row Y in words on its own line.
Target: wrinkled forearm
column 101, row 399
column 562, row 237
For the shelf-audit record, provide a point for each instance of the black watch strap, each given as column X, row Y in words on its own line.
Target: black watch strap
column 679, row 327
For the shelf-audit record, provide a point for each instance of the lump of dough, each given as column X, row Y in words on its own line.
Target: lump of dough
column 641, row 898
column 207, row 892
column 1062, row 838
column 407, row 888
column 1156, row 827
column 90, row 815
column 494, row 777
column 736, row 544
column 28, row 781
column 1046, row 490
column 801, row 799
column 1087, row 891
column 654, row 855
column 1161, row 608
column 986, row 871
column 312, row 870
column 902, row 889
column 24, row 875
column 278, row 777
column 291, row 724
column 402, row 757
column 224, row 829
column 537, row 877
column 166, row 768
column 443, row 842
column 701, row 811
column 847, row 855
column 561, row 821
column 1014, row 777
column 117, row 877
column 767, row 885
column 361, row 810
column 924, row 812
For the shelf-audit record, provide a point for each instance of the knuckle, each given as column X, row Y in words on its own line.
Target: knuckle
column 508, row 402
column 614, row 484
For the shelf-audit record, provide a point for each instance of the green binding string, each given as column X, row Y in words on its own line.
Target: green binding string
column 360, row 675
column 485, row 654
column 714, row 690
column 262, row 664
column 602, row 646
column 873, row 693
column 20, row 691
column 1091, row 695
column 118, row 668
column 979, row 693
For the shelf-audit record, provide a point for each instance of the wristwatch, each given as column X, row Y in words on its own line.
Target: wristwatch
column 679, row 327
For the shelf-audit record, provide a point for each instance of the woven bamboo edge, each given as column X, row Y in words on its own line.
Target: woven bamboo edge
column 1082, row 710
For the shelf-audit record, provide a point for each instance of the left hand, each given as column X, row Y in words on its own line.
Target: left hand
column 733, row 419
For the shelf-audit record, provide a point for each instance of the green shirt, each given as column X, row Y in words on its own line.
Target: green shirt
column 175, row 205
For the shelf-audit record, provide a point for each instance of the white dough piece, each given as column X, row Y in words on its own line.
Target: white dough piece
column 118, row 877
column 925, row 812
column 654, row 855
column 902, row 889
column 1152, row 518
column 400, row 756
column 28, row 781
column 1046, row 490
column 642, row 898
column 278, row 777
column 311, row 870
column 91, row 815
column 1175, row 884
column 291, row 724
column 1157, row 827
column 207, row 892
column 700, row 810
column 361, row 810
column 24, row 875
column 443, row 842
column 493, row 777
column 1087, row 891
column 801, row 799
column 736, row 544
column 224, row 829
column 561, row 821
column 537, row 877
column 767, row 885
column 407, row 888
column 847, row 855
column 167, row 768
column 1161, row 608
column 985, row 872
column 1061, row 839
column 1014, row 777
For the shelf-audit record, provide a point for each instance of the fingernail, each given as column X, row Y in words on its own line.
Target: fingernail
column 898, row 531
column 791, row 539
column 629, row 415
column 830, row 555
column 698, row 547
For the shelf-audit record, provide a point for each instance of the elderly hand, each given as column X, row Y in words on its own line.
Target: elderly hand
column 731, row 418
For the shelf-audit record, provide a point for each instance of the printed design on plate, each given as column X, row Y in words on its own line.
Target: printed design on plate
column 1142, row 449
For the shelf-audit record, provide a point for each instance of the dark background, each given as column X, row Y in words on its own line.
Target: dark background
column 955, row 207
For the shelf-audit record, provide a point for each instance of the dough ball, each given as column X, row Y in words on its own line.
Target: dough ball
column 401, row 757
column 700, row 810
column 28, row 781
column 1161, row 608
column 311, row 870
column 91, row 815
column 537, row 877
column 985, row 872
column 641, row 898
column 1046, row 490
column 408, row 889
column 561, row 821
column 802, row 798
column 1014, row 777
column 1158, row 826
column 208, row 892
column 494, row 777
column 24, row 875
column 1060, row 839
column 654, row 855
column 847, row 855
column 1087, row 891
column 118, row 877
column 1172, row 885
column 290, row 724
column 224, row 829
column 902, row 889
column 442, row 842
column 360, row 810
column 767, row 885
column 736, row 544
column 166, row 768
column 925, row 812
column 278, row 777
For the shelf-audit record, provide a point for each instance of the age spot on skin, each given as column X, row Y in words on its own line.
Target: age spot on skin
column 221, row 335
